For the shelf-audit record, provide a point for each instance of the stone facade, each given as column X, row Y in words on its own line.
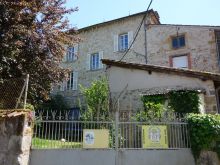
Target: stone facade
column 15, row 140
column 200, row 47
column 101, row 38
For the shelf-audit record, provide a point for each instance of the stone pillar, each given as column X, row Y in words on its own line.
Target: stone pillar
column 208, row 158
column 15, row 138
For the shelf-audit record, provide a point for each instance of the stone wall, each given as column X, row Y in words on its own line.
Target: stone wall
column 15, row 140
column 200, row 45
column 208, row 158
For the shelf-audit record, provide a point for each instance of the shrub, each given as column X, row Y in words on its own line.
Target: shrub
column 204, row 131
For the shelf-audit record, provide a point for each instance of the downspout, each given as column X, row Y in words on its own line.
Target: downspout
column 145, row 42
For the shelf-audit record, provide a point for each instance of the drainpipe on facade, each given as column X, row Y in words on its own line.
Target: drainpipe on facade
column 145, row 41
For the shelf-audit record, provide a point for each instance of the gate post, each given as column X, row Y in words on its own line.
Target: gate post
column 116, row 134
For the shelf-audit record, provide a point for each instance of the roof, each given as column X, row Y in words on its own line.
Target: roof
column 202, row 26
column 163, row 69
column 13, row 113
column 119, row 19
column 166, row 90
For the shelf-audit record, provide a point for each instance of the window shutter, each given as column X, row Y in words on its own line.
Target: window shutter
column 115, row 43
column 76, row 47
column 180, row 62
column 100, row 57
column 62, row 86
column 88, row 62
column 75, row 81
column 65, row 54
column 130, row 37
column 65, row 85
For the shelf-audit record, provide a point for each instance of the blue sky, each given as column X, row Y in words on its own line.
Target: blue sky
column 190, row 12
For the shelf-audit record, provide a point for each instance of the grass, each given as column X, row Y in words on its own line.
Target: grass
column 38, row 143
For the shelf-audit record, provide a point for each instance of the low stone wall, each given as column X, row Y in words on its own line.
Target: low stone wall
column 208, row 158
column 15, row 139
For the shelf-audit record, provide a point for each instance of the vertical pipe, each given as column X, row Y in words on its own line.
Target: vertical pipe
column 145, row 41
column 116, row 134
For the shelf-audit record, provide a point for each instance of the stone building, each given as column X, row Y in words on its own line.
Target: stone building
column 180, row 46
column 105, row 40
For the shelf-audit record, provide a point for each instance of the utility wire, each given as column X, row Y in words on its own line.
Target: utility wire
column 137, row 31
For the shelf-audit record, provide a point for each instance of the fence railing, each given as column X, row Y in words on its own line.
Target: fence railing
column 62, row 130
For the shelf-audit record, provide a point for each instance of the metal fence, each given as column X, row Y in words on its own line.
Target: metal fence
column 55, row 129
column 13, row 92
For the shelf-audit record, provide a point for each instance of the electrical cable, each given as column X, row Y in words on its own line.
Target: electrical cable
column 137, row 31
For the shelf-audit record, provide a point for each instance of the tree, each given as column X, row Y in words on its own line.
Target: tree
column 55, row 103
column 33, row 35
column 97, row 99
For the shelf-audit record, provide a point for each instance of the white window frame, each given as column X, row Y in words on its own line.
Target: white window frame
column 71, row 53
column 119, row 41
column 181, row 61
column 123, row 42
column 94, row 61
column 71, row 83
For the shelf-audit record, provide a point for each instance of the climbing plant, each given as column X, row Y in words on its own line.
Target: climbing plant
column 204, row 131
column 184, row 101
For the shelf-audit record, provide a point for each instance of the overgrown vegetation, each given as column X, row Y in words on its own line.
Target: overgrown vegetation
column 178, row 101
column 97, row 99
column 204, row 131
column 153, row 111
column 184, row 101
column 56, row 102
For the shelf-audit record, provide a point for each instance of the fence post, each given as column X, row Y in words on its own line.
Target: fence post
column 116, row 134
column 26, row 90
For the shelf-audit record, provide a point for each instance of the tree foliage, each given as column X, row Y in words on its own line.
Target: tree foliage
column 55, row 103
column 33, row 34
column 97, row 97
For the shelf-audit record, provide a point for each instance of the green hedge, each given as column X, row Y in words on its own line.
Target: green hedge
column 204, row 131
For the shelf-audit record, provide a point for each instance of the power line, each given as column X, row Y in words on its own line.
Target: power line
column 137, row 31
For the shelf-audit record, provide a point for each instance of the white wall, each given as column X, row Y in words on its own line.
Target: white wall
column 107, row 157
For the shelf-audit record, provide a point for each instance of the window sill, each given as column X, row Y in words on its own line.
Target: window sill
column 70, row 61
column 182, row 47
column 95, row 70
column 121, row 51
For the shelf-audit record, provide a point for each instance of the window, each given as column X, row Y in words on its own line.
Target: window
column 181, row 61
column 94, row 61
column 122, row 41
column 71, row 54
column 178, row 42
column 217, row 36
column 72, row 82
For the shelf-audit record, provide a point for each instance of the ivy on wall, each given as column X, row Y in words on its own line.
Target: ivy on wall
column 204, row 132
column 179, row 101
column 184, row 101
